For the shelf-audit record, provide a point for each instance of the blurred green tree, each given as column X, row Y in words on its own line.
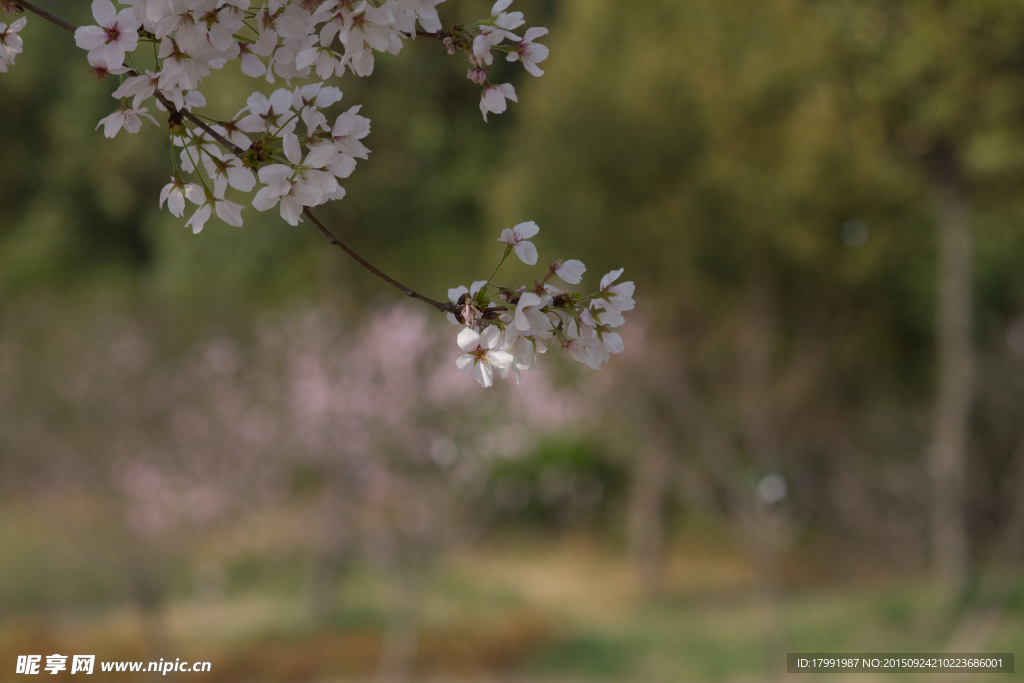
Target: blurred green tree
column 943, row 80
column 777, row 170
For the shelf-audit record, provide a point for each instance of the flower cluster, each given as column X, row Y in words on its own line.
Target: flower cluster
column 492, row 33
column 287, row 147
column 292, row 150
column 505, row 327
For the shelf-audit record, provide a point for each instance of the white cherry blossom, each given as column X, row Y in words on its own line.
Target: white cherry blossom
column 325, row 61
column 139, row 87
column 495, row 30
column 126, row 118
column 524, row 350
column 250, row 63
column 11, row 44
column 116, row 34
column 220, row 25
column 292, row 196
column 267, row 114
column 527, row 309
column 229, row 212
column 424, row 11
column 602, row 314
column 517, row 237
column 348, row 130
column 301, row 183
column 226, row 169
column 175, row 193
column 481, row 356
column 579, row 342
column 231, row 131
column 529, row 52
column 612, row 341
column 316, row 96
column 570, row 271
column 533, row 318
column 181, row 69
column 507, row 21
column 620, row 296
column 494, row 96
column 488, row 37
column 455, row 293
column 100, row 70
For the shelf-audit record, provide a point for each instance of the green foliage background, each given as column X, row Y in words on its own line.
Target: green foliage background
column 722, row 151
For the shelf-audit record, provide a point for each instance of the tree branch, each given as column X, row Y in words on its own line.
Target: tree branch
column 443, row 307
column 239, row 152
column 185, row 113
column 45, row 15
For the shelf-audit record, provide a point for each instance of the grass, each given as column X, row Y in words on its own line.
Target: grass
column 555, row 610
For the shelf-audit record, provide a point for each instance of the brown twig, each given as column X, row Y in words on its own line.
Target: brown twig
column 45, row 15
column 443, row 307
column 185, row 113
column 239, row 152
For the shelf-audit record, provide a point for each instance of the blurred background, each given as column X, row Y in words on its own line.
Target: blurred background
column 241, row 447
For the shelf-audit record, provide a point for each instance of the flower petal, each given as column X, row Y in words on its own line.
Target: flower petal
column 468, row 339
column 489, row 338
column 104, row 12
column 500, row 359
column 525, row 231
column 465, row 363
column 571, row 271
column 611, row 277
column 527, row 252
column 534, row 33
column 292, row 150
column 484, row 374
column 507, row 236
column 499, row 7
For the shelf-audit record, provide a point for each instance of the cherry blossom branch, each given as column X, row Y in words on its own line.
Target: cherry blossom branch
column 443, row 307
column 240, row 153
column 25, row 6
column 227, row 144
column 185, row 113
column 502, row 331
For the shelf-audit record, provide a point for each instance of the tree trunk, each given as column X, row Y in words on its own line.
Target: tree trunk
column 947, row 456
column 998, row 585
column 401, row 640
column 755, row 337
column 651, row 481
column 764, row 526
column 148, row 594
column 331, row 557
